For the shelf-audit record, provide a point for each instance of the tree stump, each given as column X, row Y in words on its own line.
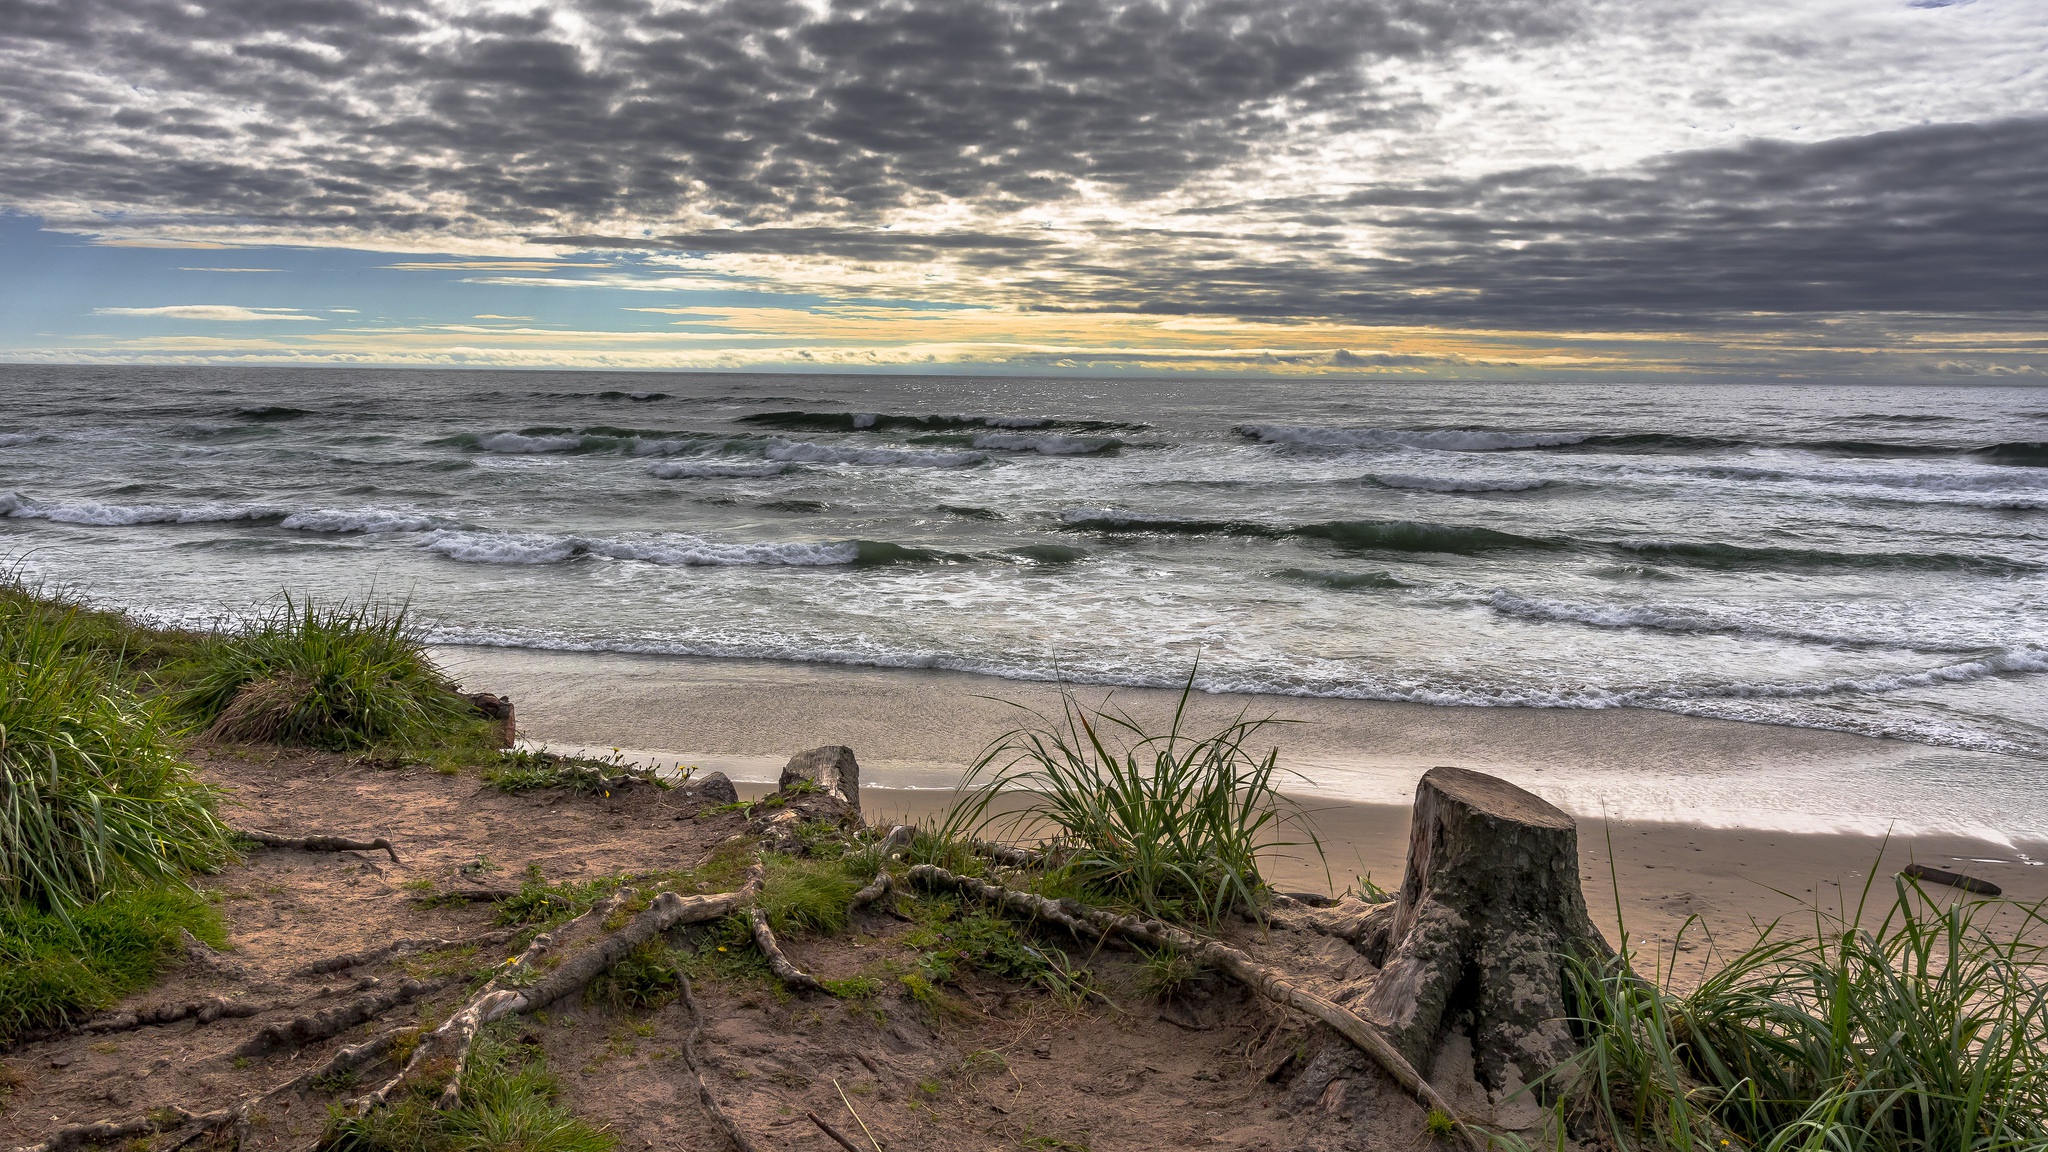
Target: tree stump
column 1490, row 908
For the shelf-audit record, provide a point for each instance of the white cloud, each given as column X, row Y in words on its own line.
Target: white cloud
column 208, row 312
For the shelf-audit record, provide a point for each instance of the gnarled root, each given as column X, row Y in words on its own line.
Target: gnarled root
column 398, row 948
column 444, row 1052
column 317, row 843
column 106, row 1131
column 1080, row 919
column 733, row 1135
column 201, row 1011
column 303, row 1030
column 785, row 970
column 875, row 890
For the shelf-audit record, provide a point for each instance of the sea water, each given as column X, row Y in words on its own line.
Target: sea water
column 1867, row 559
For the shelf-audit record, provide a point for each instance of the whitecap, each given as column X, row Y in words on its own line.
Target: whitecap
column 515, row 442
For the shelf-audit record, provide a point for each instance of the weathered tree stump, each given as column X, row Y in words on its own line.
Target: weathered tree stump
column 1490, row 908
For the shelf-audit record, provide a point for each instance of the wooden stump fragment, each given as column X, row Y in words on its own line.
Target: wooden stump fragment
column 1490, row 908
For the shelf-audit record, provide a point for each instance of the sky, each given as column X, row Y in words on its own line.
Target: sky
column 1816, row 190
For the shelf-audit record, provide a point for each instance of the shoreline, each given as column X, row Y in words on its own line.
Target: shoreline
column 914, row 732
column 920, row 728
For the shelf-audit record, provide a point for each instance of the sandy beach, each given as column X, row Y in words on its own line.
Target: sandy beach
column 1727, row 822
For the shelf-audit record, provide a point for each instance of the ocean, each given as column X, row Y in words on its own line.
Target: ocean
column 1867, row 559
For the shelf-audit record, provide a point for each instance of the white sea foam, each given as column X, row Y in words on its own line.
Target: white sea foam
column 514, row 442
column 1690, row 621
column 680, row 469
column 1454, row 483
column 365, row 520
column 534, row 548
column 96, row 514
column 1048, row 445
column 806, row 452
column 1440, row 439
column 17, row 439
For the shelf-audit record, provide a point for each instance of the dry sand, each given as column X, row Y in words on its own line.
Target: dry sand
column 1733, row 823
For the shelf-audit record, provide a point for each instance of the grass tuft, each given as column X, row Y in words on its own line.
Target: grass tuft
column 1924, row 1030
column 510, row 1102
column 1166, row 822
column 339, row 676
column 93, row 795
column 53, row 970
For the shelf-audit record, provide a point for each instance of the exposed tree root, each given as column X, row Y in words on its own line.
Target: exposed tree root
column 470, row 895
column 317, row 843
column 785, row 970
column 837, row 1136
column 733, row 1135
column 162, row 1120
column 303, row 1030
column 1080, row 918
column 875, row 890
column 398, row 948
column 444, row 1052
column 201, row 1011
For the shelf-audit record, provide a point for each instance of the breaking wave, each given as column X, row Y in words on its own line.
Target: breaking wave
column 1383, row 535
column 1344, row 581
column 1687, row 621
column 677, row 551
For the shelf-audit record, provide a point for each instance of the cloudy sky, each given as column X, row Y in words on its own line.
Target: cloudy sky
column 1798, row 189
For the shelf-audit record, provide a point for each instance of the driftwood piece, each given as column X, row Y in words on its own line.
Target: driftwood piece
column 1490, row 907
column 1084, row 921
column 1952, row 879
column 785, row 969
column 317, row 843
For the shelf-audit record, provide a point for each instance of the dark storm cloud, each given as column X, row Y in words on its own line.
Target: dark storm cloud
column 347, row 111
column 803, row 129
column 1947, row 218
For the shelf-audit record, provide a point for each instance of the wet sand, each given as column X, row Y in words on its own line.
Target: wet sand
column 1733, row 823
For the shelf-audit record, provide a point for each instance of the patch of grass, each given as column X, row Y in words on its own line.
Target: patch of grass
column 526, row 770
column 93, row 795
column 984, row 942
column 52, row 970
column 809, row 895
column 1165, row 822
column 646, row 978
column 1167, row 973
column 544, row 904
column 1925, row 1028
column 1439, row 1124
column 340, row 676
column 510, row 1102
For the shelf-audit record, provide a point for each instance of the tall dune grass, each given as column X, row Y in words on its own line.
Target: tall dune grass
column 339, row 676
column 1168, row 822
column 93, row 795
column 1924, row 1029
